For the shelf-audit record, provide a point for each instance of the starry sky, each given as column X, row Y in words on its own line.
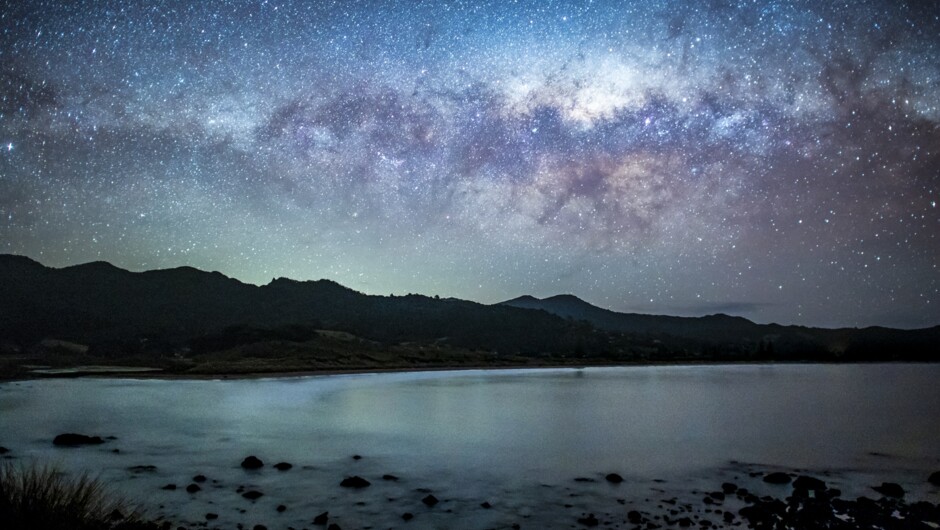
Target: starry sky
column 778, row 160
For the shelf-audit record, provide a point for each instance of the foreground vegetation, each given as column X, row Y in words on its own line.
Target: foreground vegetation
column 35, row 497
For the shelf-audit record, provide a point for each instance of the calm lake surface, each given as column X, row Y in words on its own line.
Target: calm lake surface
column 514, row 438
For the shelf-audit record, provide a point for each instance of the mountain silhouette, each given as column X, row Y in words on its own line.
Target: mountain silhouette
column 112, row 309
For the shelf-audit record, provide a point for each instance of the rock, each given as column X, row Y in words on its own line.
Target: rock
column 729, row 488
column 934, row 478
column 634, row 517
column 890, row 489
column 355, row 482
column 169, row 487
column 199, row 478
column 252, row 462
column 333, row 526
column 282, row 466
column 192, row 488
column 804, row 484
column 321, row 519
column 590, row 521
column 71, row 439
column 486, row 505
column 392, row 478
column 584, row 479
column 430, row 501
column 142, row 469
column 614, row 478
column 407, row 516
column 357, row 457
column 281, row 508
column 259, row 527
column 116, row 515
column 777, row 478
column 211, row 516
column 252, row 495
column 3, row 450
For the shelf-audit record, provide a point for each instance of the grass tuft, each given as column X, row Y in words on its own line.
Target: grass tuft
column 41, row 497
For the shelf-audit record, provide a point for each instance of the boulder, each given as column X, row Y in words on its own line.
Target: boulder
column 252, row 462
column 169, row 487
column 282, row 466
column 729, row 488
column 777, row 478
column 933, row 479
column 430, row 501
column 889, row 489
column 355, row 482
column 3, row 450
column 252, row 495
column 281, row 508
column 192, row 488
column 803, row 482
column 333, row 526
column 614, row 478
column 407, row 516
column 199, row 478
column 486, row 505
column 392, row 478
column 211, row 516
column 321, row 519
column 71, row 439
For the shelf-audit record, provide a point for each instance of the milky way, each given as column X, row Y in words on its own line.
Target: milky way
column 775, row 160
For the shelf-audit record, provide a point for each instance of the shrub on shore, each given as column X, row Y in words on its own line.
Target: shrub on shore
column 41, row 497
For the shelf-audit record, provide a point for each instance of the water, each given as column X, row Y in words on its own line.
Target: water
column 514, row 438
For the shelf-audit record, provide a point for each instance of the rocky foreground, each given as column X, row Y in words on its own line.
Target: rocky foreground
column 799, row 501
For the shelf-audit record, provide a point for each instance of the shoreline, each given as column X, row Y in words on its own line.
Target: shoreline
column 147, row 373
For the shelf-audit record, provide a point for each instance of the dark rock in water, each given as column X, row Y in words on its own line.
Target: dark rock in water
column 169, row 487
column 333, row 526
column 116, row 515
column 142, row 469
column 392, row 478
column 282, row 466
column 211, row 516
column 934, row 478
column 634, row 517
column 199, row 478
column 584, row 479
column 889, row 489
column 321, row 519
column 192, row 488
column 805, row 483
column 259, row 527
column 430, row 501
column 590, row 521
column 407, row 516
column 252, row 495
column 486, row 505
column 777, row 478
column 252, row 462
column 729, row 488
column 281, row 508
column 357, row 457
column 355, row 482
column 614, row 478
column 3, row 450
column 717, row 495
column 71, row 439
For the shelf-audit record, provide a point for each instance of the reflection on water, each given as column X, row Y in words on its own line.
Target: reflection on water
column 472, row 433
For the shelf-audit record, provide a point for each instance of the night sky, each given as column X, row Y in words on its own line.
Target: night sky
column 769, row 159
